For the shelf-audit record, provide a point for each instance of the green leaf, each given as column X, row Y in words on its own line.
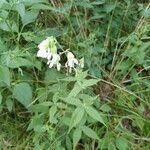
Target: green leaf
column 87, row 83
column 89, row 132
column 52, row 113
column 105, row 108
column 36, row 124
column 121, row 143
column 81, row 75
column 73, row 101
column 41, row 107
column 4, row 75
column 9, row 104
column 75, row 91
column 23, row 93
column 94, row 114
column 52, row 76
column 110, row 7
column 21, row 9
column 13, row 61
column 98, row 2
column 1, row 97
column 76, row 117
column 31, row 3
column 68, row 143
column 76, row 136
column 3, row 46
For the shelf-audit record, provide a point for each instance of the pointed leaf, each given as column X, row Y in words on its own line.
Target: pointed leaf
column 89, row 132
column 23, row 93
column 76, row 117
column 4, row 75
column 76, row 136
column 94, row 114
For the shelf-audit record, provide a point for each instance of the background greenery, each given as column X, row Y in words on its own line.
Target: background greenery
column 107, row 106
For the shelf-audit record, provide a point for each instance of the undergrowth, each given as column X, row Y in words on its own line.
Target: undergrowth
column 103, row 105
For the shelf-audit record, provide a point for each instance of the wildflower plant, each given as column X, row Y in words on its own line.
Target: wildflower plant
column 48, row 50
column 106, row 105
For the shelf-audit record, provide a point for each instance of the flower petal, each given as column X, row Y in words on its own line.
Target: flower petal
column 42, row 53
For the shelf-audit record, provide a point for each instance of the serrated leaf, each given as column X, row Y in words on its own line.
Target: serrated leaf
column 4, row 75
column 94, row 114
column 87, row 83
column 90, row 132
column 14, row 61
column 75, row 91
column 73, row 101
column 23, row 93
column 76, row 136
column 76, row 117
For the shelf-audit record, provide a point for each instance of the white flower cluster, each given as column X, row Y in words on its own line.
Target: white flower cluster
column 48, row 50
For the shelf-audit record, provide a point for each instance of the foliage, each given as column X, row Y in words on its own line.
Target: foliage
column 105, row 105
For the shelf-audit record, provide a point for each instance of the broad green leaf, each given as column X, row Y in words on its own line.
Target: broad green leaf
column 75, row 91
column 9, row 27
column 73, row 101
column 110, row 7
column 41, row 107
column 76, row 117
column 122, row 143
column 52, row 76
column 29, row 16
column 14, row 61
column 36, row 124
column 94, row 114
column 23, row 93
column 9, row 104
column 4, row 75
column 90, row 132
column 146, row 13
column 76, row 136
column 20, row 7
column 90, row 82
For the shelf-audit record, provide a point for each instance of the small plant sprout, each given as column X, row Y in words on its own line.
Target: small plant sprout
column 48, row 50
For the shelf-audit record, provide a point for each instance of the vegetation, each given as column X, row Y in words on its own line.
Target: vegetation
column 64, row 106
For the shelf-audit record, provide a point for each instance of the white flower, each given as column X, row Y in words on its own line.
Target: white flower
column 44, row 45
column 49, row 54
column 54, row 62
column 42, row 53
column 71, row 60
